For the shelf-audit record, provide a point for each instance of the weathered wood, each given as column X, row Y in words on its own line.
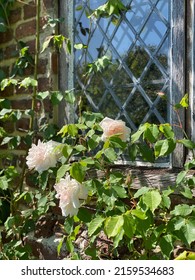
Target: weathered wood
column 178, row 75
column 146, row 177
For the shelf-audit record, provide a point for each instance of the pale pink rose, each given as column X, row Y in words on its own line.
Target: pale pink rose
column 70, row 192
column 114, row 127
column 43, row 155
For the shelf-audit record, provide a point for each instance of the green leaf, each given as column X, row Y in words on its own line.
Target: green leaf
column 164, row 147
column 69, row 244
column 139, row 214
column 167, row 130
column 141, row 191
column 59, row 247
column 151, row 133
column 77, row 171
column 185, row 101
column 166, row 245
column 152, row 199
column 118, row 238
column 120, row 191
column 110, row 154
column 95, row 224
column 56, row 97
column 182, row 210
column 181, row 176
column 7, row 82
column 146, row 153
column 3, row 183
column 188, row 230
column 67, row 150
column 43, row 95
column 72, row 130
column 186, row 255
column 28, row 82
column 133, row 151
column 62, row 171
column 187, row 143
column 46, row 43
column 113, row 225
column 70, row 96
column 79, row 46
column 128, row 225
column 135, row 137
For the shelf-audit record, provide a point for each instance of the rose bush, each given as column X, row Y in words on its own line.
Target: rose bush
column 70, row 193
column 114, row 127
column 43, row 155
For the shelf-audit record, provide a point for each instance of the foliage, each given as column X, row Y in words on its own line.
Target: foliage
column 135, row 224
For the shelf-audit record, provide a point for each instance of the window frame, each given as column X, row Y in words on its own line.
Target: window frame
column 178, row 71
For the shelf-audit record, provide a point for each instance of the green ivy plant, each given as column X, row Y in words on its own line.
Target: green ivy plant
column 133, row 224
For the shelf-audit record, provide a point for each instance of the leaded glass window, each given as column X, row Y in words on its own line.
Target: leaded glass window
column 137, row 43
column 143, row 49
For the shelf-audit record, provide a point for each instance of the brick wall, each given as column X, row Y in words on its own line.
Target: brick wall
column 23, row 28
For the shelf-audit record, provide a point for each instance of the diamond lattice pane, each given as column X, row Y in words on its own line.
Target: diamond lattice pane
column 137, row 43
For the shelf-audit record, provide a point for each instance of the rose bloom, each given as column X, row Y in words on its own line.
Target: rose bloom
column 113, row 127
column 43, row 155
column 70, row 191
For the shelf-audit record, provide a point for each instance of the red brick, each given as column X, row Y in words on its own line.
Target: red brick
column 6, row 36
column 43, row 84
column 48, row 4
column 22, row 124
column 26, row 29
column 42, row 66
column 31, row 45
column 8, row 126
column 21, row 104
column 10, row 52
column 29, row 10
column 15, row 16
column 21, row 90
column 8, row 91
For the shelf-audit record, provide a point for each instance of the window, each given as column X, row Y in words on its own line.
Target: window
column 143, row 48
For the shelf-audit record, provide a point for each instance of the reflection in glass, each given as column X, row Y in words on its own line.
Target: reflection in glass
column 137, row 44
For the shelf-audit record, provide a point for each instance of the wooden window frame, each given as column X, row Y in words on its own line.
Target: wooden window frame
column 178, row 69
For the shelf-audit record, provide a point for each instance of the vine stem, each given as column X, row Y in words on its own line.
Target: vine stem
column 34, row 96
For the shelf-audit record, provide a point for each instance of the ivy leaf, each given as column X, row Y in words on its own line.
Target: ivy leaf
column 77, row 171
column 182, row 210
column 141, row 191
column 110, row 154
column 113, row 225
column 56, row 97
column 95, row 224
column 181, row 176
column 70, row 96
column 128, row 225
column 188, row 230
column 166, row 245
column 62, row 171
column 46, row 43
column 185, row 101
column 152, row 199
column 164, row 147
column 186, row 255
column 187, row 143
column 28, row 82
column 167, row 130
column 151, row 133
column 3, row 183
column 43, row 95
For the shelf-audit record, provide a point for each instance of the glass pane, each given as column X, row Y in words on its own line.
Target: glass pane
column 137, row 43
